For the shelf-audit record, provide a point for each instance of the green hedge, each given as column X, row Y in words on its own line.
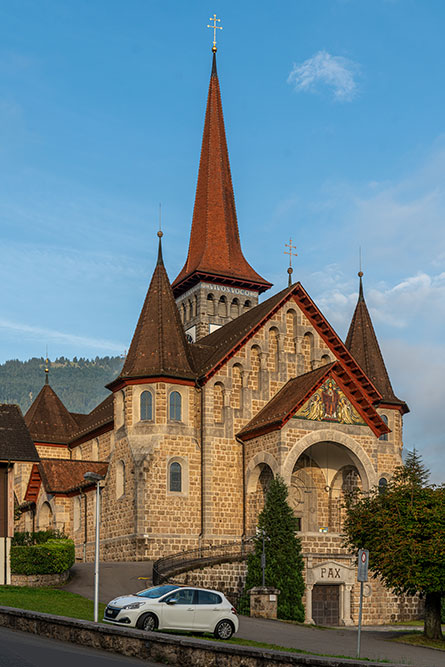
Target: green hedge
column 26, row 538
column 54, row 556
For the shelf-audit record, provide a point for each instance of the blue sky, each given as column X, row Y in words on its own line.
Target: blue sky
column 336, row 134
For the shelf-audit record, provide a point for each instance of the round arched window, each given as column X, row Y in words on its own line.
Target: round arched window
column 175, row 477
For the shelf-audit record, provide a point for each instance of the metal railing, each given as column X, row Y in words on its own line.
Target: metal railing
column 165, row 568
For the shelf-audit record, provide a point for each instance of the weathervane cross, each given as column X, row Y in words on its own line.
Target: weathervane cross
column 291, row 254
column 215, row 28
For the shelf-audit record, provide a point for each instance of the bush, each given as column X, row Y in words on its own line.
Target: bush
column 41, row 536
column 51, row 557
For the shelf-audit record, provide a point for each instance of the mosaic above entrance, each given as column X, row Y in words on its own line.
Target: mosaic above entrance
column 329, row 404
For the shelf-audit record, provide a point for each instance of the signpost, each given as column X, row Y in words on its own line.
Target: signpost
column 362, row 575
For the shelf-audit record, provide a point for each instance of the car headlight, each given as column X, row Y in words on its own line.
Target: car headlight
column 134, row 605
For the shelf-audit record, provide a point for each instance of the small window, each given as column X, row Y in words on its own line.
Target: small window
column 206, row 597
column 175, row 406
column 383, row 483
column 175, row 482
column 146, row 406
column 384, row 436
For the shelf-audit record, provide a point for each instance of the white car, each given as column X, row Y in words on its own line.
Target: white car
column 170, row 607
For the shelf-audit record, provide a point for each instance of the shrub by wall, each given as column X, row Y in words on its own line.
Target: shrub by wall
column 39, row 537
column 53, row 556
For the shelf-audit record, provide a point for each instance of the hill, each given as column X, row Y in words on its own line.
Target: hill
column 79, row 383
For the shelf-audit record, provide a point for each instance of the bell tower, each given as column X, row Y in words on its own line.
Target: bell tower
column 216, row 283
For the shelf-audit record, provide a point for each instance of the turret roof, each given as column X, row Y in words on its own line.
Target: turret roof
column 362, row 343
column 215, row 249
column 159, row 347
column 48, row 420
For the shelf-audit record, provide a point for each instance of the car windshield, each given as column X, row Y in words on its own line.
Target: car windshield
column 157, row 591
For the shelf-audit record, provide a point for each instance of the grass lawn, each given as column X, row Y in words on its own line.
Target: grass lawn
column 50, row 601
column 418, row 639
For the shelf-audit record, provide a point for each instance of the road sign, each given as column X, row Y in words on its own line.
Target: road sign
column 363, row 561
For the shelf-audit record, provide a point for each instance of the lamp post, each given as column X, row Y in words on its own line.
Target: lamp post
column 96, row 478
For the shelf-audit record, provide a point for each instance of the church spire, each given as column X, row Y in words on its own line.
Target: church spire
column 215, row 253
column 159, row 347
column 362, row 343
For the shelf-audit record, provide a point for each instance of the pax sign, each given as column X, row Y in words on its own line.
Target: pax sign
column 330, row 573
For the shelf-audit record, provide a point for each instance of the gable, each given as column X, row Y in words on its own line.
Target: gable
column 329, row 393
column 212, row 352
column 330, row 404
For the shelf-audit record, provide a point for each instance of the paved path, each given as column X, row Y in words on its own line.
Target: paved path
column 114, row 579
column 23, row 649
column 120, row 578
column 375, row 644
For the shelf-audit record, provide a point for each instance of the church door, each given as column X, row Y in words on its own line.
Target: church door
column 325, row 604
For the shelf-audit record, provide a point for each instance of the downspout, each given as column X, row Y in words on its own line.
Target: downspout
column 6, row 517
column 201, row 534
column 241, row 442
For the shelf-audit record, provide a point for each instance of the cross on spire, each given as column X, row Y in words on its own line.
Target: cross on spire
column 291, row 254
column 215, row 28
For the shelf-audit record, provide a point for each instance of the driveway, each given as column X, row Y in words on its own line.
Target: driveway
column 114, row 579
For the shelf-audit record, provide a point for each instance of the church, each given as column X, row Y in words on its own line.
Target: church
column 219, row 393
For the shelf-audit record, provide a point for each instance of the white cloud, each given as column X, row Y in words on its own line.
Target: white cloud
column 43, row 334
column 323, row 69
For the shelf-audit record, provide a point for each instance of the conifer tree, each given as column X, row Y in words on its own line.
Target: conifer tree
column 284, row 563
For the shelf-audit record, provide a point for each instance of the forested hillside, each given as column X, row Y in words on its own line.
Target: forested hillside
column 79, row 383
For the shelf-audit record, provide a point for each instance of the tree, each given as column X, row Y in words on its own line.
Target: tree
column 403, row 527
column 284, row 563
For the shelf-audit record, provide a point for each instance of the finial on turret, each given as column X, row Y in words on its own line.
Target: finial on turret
column 160, row 234
column 360, row 275
column 47, row 370
column 291, row 254
column 215, row 28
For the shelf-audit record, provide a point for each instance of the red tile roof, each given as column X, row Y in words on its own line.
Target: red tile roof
column 64, row 475
column 362, row 343
column 215, row 248
column 101, row 416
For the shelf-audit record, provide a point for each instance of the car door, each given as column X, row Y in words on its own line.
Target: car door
column 208, row 611
column 178, row 610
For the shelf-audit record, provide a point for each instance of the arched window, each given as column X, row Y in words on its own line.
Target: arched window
column 383, row 483
column 175, row 477
column 175, row 406
column 120, row 479
column 384, row 436
column 247, row 305
column 45, row 517
column 146, row 406
column 210, row 305
column 222, row 306
column 234, row 308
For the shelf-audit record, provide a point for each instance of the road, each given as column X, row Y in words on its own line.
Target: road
column 22, row 649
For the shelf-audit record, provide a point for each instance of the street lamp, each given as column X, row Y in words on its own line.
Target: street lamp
column 96, row 478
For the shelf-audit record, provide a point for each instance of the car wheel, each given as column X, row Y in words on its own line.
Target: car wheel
column 147, row 622
column 224, row 630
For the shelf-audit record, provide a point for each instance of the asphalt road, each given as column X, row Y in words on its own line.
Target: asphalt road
column 22, row 649
column 114, row 579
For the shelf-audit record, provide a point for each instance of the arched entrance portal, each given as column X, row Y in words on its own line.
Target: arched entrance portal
column 320, row 478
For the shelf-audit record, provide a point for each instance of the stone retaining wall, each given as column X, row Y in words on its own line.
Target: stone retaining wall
column 228, row 578
column 166, row 649
column 37, row 580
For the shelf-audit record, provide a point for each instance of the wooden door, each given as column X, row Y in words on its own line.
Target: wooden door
column 325, row 604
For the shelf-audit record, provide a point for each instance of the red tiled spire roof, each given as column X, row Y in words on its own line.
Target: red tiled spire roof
column 159, row 347
column 215, row 249
column 48, row 420
column 362, row 343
